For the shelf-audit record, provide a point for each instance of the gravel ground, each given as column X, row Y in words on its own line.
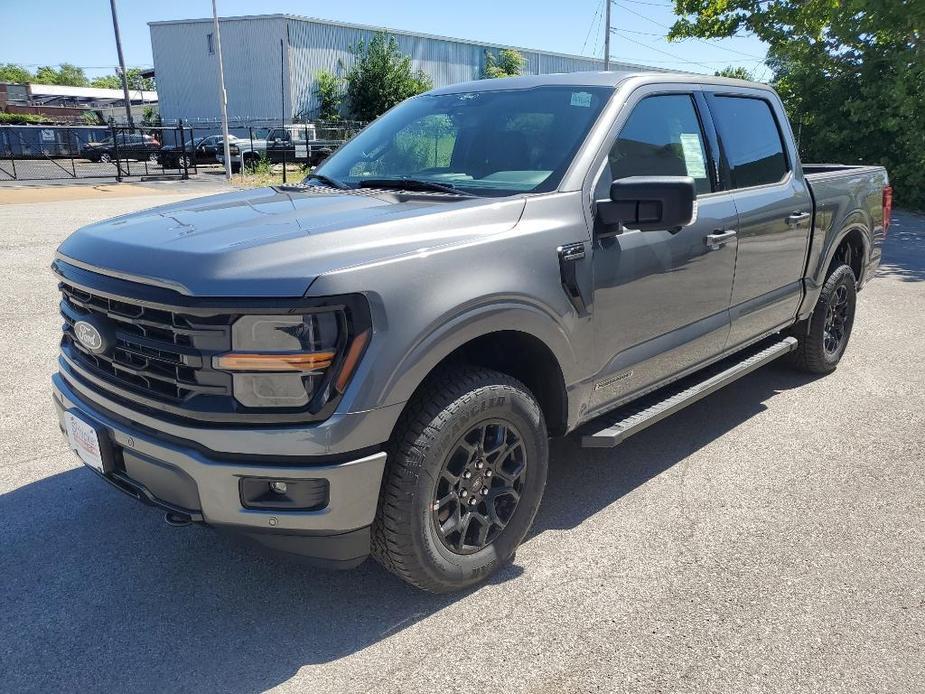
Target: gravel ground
column 769, row 538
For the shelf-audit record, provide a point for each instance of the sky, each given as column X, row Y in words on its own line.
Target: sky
column 64, row 31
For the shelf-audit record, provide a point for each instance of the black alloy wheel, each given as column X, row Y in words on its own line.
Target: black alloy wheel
column 479, row 486
column 836, row 320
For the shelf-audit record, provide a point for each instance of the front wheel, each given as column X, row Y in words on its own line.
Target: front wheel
column 465, row 476
column 823, row 341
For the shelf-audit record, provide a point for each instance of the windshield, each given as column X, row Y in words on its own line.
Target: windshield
column 482, row 142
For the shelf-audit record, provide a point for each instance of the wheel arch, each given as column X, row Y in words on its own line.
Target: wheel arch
column 520, row 341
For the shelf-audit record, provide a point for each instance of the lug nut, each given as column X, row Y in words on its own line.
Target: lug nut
column 488, row 473
column 464, row 493
column 468, row 475
column 484, row 491
column 480, row 465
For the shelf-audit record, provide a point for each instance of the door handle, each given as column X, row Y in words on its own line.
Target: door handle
column 797, row 217
column 718, row 239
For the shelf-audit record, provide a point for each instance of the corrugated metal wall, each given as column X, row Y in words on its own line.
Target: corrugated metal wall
column 187, row 74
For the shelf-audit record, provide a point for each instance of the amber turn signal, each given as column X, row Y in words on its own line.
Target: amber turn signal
column 304, row 362
column 350, row 361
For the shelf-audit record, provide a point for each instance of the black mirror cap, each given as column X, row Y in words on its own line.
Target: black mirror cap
column 650, row 203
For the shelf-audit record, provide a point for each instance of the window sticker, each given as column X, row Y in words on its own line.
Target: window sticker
column 582, row 99
column 693, row 155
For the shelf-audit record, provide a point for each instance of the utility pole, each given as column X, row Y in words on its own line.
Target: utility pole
column 607, row 4
column 222, row 94
column 115, row 27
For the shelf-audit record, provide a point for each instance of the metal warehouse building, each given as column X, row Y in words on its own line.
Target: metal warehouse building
column 271, row 62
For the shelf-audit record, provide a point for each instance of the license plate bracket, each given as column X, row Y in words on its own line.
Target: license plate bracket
column 89, row 441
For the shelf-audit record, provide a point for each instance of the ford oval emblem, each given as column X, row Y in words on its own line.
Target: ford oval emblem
column 89, row 336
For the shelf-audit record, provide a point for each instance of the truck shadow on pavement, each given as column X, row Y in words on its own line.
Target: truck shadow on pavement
column 99, row 594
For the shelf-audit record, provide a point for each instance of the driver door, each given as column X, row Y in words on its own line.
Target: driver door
column 661, row 298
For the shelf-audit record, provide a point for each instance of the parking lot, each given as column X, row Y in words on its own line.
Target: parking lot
column 768, row 538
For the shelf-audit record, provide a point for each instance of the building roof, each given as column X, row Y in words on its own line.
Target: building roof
column 398, row 32
column 43, row 92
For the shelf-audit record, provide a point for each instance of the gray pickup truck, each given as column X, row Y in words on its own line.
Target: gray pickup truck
column 372, row 361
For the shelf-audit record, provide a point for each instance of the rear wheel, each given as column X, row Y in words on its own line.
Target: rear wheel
column 105, row 157
column 466, row 473
column 823, row 341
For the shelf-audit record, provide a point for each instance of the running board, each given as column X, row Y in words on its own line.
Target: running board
column 636, row 416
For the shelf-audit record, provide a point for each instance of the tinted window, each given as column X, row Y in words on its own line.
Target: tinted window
column 493, row 142
column 751, row 140
column 662, row 137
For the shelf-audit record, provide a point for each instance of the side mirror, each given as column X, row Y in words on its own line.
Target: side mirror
column 649, row 203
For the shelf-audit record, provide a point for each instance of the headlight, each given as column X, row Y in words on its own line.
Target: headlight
column 294, row 360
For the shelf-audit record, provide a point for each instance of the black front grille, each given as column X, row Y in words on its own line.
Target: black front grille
column 156, row 353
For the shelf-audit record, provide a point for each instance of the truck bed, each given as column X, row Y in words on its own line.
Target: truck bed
column 844, row 195
column 816, row 171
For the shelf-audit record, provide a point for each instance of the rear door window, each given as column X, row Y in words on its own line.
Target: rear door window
column 751, row 139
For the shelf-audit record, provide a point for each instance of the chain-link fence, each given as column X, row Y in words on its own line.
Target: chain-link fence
column 30, row 153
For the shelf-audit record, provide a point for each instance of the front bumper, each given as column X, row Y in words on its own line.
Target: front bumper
column 186, row 479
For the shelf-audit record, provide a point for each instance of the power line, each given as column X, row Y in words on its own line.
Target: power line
column 591, row 28
column 650, row 4
column 704, row 41
column 82, row 67
column 671, row 55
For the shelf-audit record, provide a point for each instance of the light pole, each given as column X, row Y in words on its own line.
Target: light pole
column 607, row 4
column 222, row 95
column 115, row 27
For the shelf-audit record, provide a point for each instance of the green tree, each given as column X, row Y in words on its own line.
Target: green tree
column 16, row 74
column 329, row 93
column 508, row 63
column 381, row 77
column 739, row 73
column 66, row 75
column 135, row 80
column 851, row 74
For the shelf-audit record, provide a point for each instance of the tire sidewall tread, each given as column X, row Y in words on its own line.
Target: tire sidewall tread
column 450, row 403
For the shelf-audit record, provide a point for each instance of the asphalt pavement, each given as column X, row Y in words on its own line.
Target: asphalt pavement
column 770, row 538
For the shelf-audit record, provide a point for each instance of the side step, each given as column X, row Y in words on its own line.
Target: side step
column 637, row 415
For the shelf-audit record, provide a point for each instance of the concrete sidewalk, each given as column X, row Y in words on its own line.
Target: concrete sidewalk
column 20, row 193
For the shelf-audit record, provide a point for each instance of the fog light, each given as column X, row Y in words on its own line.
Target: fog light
column 284, row 495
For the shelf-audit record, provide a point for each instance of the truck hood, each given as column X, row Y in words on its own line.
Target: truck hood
column 275, row 242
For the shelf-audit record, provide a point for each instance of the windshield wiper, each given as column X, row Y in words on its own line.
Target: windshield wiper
column 411, row 184
column 326, row 180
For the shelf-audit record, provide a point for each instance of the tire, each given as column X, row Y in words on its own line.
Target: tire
column 436, row 441
column 823, row 341
column 235, row 168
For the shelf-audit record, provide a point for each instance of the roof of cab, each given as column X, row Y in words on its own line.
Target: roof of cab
column 589, row 79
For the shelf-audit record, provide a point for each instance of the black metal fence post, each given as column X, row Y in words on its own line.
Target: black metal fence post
column 285, row 148
column 183, row 162
column 115, row 150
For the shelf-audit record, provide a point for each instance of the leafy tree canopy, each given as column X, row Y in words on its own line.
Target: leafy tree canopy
column 16, row 74
column 328, row 91
column 508, row 63
column 65, row 75
column 851, row 74
column 381, row 77
column 135, row 80
column 739, row 72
